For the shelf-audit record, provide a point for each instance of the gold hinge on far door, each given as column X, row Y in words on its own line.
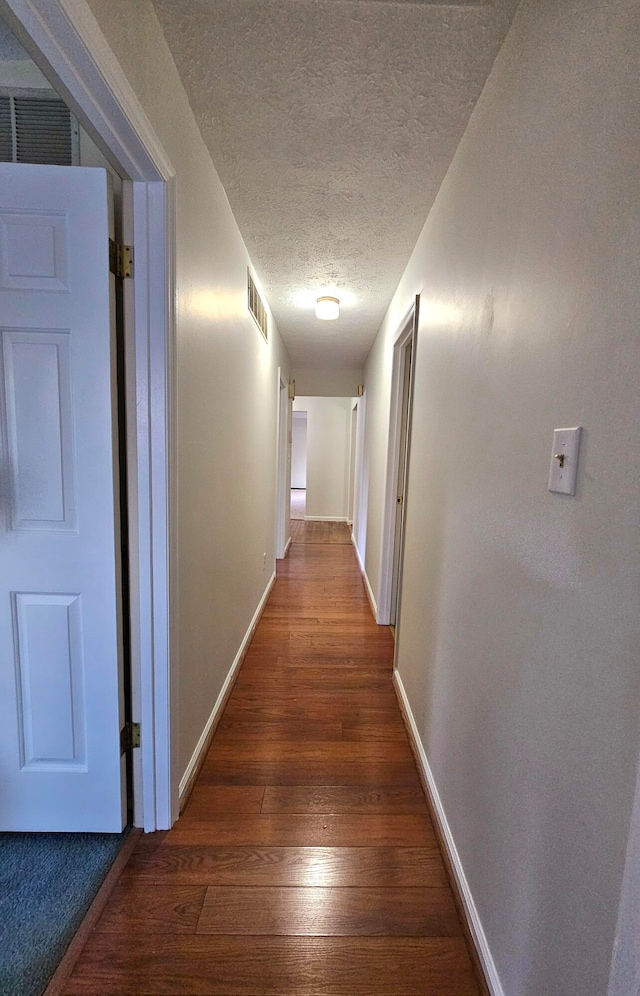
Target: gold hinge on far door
column 129, row 737
column 120, row 259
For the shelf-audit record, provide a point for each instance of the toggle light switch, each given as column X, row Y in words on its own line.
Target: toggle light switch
column 564, row 460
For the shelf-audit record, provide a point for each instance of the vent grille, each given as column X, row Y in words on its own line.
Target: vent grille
column 36, row 130
column 256, row 306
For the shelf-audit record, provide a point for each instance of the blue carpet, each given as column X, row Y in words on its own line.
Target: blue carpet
column 47, row 883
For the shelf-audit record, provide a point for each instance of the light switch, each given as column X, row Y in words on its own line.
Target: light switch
column 564, row 460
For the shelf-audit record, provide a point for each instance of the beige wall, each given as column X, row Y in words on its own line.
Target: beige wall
column 226, row 448
column 327, row 383
column 520, row 630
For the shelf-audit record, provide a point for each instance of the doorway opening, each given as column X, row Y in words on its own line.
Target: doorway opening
column 298, row 464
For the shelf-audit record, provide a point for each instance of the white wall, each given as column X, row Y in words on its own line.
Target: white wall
column 328, row 433
column 520, row 629
column 226, row 448
column 299, row 450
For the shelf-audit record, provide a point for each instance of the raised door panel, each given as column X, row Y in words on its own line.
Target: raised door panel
column 34, row 251
column 39, row 421
column 50, row 681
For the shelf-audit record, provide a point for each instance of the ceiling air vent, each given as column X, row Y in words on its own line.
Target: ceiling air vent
column 37, row 130
column 256, row 306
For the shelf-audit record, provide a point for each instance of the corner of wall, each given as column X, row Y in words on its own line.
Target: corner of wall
column 485, row 964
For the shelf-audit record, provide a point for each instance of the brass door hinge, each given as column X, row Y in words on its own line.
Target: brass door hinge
column 129, row 737
column 120, row 259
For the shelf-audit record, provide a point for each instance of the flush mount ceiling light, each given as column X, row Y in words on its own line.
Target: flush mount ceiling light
column 327, row 308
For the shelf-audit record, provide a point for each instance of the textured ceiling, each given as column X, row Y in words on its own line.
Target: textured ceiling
column 331, row 124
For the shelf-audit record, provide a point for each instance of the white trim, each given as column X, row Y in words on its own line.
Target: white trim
column 367, row 584
column 325, row 518
column 221, row 700
column 283, row 493
column 67, row 44
column 473, row 917
column 286, row 549
column 134, row 499
column 359, row 532
column 407, row 328
column 157, row 505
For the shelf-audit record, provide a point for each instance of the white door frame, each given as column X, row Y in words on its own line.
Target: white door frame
column 64, row 39
column 283, row 451
column 361, row 492
column 407, row 328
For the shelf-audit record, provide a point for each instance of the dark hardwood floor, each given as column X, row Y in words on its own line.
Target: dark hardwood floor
column 305, row 863
column 320, row 532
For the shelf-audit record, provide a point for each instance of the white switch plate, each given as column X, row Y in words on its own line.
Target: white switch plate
column 564, row 460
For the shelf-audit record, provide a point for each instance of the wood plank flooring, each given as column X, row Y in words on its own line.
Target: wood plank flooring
column 319, row 532
column 305, row 863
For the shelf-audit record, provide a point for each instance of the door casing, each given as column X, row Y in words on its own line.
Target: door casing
column 406, row 364
column 283, row 465
column 407, row 330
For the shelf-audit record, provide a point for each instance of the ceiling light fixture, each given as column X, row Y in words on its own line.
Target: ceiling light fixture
column 327, row 308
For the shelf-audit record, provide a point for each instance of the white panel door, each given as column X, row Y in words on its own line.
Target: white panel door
column 60, row 674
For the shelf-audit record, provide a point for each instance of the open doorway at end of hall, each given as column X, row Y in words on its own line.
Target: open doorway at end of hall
column 298, row 465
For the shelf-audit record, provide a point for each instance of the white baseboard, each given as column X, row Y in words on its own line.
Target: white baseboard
column 367, row 586
column 325, row 518
column 205, row 736
column 473, row 918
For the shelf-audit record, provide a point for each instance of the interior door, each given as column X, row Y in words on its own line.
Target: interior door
column 60, row 659
column 403, row 460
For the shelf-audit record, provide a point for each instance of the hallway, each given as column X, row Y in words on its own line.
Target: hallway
column 305, row 862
